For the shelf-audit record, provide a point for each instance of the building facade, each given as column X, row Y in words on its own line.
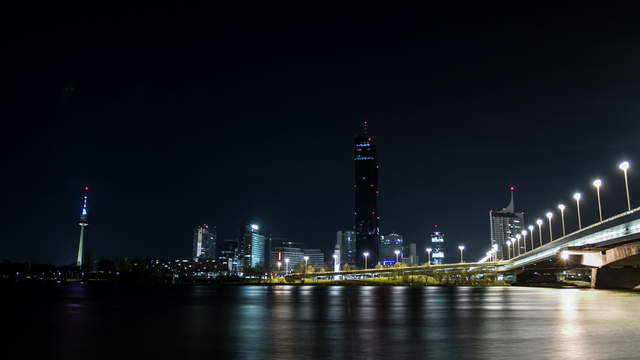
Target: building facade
column 437, row 247
column 281, row 254
column 204, row 242
column 252, row 245
column 366, row 227
column 346, row 245
column 316, row 257
column 388, row 246
column 504, row 225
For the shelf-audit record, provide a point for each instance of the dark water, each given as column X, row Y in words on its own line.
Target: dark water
column 85, row 321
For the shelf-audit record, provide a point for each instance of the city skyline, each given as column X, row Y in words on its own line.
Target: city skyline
column 196, row 129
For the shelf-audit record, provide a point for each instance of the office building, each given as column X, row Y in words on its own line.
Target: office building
column 437, row 247
column 504, row 225
column 316, row 257
column 413, row 254
column 252, row 245
column 388, row 246
column 366, row 216
column 346, row 244
column 281, row 254
column 204, row 242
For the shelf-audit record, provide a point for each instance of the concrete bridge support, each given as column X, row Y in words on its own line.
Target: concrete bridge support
column 615, row 278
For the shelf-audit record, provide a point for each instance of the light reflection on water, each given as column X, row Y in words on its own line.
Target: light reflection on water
column 307, row 322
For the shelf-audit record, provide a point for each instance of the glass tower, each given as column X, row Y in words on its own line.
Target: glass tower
column 366, row 225
column 505, row 224
column 437, row 246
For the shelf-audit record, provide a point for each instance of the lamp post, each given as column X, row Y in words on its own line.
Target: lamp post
column 286, row 262
column 279, row 266
column 366, row 255
column 531, row 227
column 549, row 216
column 306, row 261
column 494, row 249
column 539, row 223
column 397, row 252
column 577, row 197
column 508, row 249
column 624, row 166
column 561, row 207
column 429, row 250
column 461, row 248
column 524, row 239
column 518, row 236
column 597, row 183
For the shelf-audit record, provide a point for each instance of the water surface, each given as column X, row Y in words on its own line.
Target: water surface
column 85, row 321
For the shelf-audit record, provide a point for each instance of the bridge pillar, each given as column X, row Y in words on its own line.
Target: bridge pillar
column 615, row 278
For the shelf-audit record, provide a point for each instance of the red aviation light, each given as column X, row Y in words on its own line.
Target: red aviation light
column 512, row 188
column 86, row 188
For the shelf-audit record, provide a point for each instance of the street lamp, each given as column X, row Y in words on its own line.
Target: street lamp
column 518, row 236
column 461, row 248
column 429, row 250
column 531, row 232
column 624, row 166
column 577, row 196
column 306, row 261
column 597, row 183
column 549, row 216
column 539, row 222
column 508, row 249
column 561, row 207
column 524, row 239
column 286, row 262
column 494, row 249
column 397, row 252
column 279, row 266
column 366, row 255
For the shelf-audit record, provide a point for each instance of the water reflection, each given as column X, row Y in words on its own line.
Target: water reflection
column 308, row 322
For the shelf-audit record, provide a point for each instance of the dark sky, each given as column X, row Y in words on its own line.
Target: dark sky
column 180, row 115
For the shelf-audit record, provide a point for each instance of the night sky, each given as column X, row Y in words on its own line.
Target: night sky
column 179, row 116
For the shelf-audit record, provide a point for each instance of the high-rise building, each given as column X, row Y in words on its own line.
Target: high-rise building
column 367, row 229
column 316, row 257
column 229, row 253
column 252, row 245
column 346, row 243
column 437, row 247
column 505, row 224
column 388, row 246
column 204, row 242
column 84, row 222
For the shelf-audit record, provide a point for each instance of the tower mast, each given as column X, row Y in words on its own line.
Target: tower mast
column 83, row 223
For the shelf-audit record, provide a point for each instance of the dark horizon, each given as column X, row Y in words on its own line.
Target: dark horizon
column 187, row 115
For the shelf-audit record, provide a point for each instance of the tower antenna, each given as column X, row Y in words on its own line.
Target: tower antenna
column 83, row 223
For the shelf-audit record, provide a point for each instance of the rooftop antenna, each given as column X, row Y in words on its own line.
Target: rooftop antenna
column 364, row 125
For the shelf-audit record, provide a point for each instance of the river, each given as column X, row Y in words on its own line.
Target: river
column 86, row 321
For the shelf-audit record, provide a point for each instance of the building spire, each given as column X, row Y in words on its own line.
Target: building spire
column 365, row 124
column 511, row 207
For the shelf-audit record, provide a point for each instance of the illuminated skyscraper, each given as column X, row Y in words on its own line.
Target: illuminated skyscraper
column 366, row 215
column 437, row 246
column 505, row 225
column 84, row 217
column 204, row 242
column 388, row 246
column 252, row 246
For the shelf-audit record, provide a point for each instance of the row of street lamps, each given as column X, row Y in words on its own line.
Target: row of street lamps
column 597, row 183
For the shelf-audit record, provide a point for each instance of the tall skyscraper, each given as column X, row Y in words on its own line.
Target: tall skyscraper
column 437, row 246
column 84, row 222
column 252, row 245
column 505, row 224
column 366, row 226
column 346, row 244
column 204, row 242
